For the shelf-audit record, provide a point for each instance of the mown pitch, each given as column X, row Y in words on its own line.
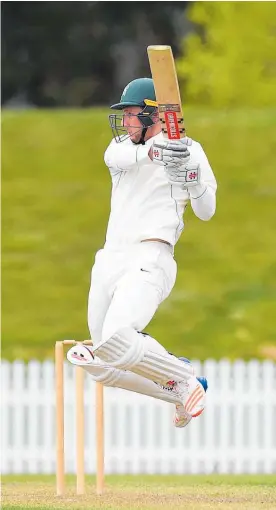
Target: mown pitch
column 145, row 493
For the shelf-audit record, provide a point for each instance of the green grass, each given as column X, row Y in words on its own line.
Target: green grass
column 190, row 492
column 55, row 206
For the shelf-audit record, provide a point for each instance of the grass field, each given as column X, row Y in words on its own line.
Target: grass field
column 55, row 206
column 227, row 492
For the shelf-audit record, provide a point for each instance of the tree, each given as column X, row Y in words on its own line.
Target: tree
column 80, row 53
column 231, row 59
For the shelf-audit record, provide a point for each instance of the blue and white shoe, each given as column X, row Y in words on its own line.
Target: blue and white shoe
column 181, row 417
column 202, row 380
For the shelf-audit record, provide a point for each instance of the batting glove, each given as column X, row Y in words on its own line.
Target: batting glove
column 185, row 176
column 171, row 153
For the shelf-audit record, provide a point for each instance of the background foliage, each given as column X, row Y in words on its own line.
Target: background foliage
column 230, row 59
column 81, row 53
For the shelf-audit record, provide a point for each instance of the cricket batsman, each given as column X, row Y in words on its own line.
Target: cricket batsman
column 153, row 180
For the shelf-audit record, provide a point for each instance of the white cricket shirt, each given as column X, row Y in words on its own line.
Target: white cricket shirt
column 143, row 204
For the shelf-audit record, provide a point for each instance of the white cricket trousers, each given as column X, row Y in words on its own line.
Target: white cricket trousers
column 127, row 286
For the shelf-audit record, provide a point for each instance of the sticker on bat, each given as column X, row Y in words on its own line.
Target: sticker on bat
column 169, row 108
column 172, row 125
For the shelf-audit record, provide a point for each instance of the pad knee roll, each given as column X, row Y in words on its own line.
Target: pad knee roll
column 127, row 349
column 108, row 376
column 123, row 350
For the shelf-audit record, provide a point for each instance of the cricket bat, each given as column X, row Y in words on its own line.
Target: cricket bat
column 167, row 91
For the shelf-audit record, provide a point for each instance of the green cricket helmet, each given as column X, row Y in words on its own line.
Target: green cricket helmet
column 141, row 93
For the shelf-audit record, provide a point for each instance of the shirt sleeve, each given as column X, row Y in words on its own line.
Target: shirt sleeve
column 203, row 196
column 123, row 157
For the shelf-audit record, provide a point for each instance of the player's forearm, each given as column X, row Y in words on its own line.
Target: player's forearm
column 126, row 157
column 203, row 201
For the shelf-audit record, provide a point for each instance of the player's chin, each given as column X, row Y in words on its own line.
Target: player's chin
column 135, row 137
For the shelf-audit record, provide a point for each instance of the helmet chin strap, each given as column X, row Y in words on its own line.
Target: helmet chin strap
column 142, row 138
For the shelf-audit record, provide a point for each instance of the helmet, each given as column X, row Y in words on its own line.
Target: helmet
column 141, row 93
column 135, row 93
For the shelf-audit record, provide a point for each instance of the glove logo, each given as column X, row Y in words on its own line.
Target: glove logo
column 157, row 154
column 192, row 176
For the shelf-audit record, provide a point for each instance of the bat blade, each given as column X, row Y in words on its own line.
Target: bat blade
column 167, row 91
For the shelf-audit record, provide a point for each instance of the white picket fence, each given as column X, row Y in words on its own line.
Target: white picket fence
column 236, row 433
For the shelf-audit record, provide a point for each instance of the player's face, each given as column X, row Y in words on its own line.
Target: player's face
column 131, row 122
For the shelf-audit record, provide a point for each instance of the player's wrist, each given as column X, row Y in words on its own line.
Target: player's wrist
column 198, row 190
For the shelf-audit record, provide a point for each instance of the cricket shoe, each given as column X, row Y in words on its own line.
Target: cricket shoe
column 182, row 417
column 80, row 355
